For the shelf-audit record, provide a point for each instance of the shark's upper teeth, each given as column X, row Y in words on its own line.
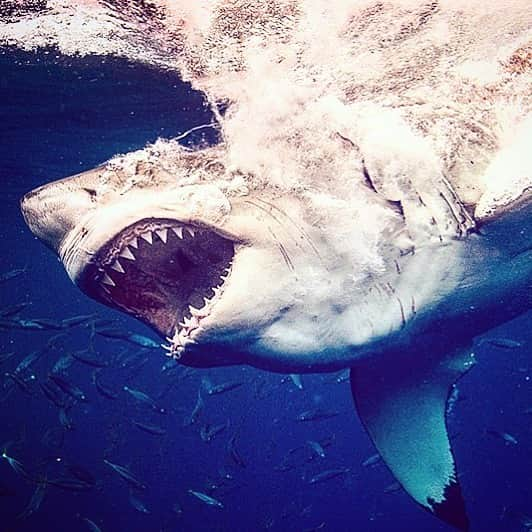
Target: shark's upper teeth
column 107, row 280
column 178, row 231
column 126, row 254
column 162, row 234
column 134, row 243
column 147, row 236
column 190, row 230
column 117, row 267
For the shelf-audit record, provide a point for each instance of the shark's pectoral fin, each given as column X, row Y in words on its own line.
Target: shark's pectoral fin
column 402, row 402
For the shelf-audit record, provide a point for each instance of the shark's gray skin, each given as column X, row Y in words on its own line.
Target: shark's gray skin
column 384, row 241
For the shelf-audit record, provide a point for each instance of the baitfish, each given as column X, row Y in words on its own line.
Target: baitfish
column 48, row 324
column 296, row 379
column 56, row 341
column 65, row 420
column 343, row 376
column 126, row 474
column 138, row 504
column 505, row 436
column 70, row 484
column 74, row 321
column 35, row 501
column 143, row 341
column 151, row 429
column 327, row 475
column 211, row 501
column 13, row 310
column 20, row 323
column 91, row 525
column 82, row 356
column 133, row 338
column 233, row 452
column 102, row 389
column 198, row 407
column 373, row 460
column 20, row 382
column 62, row 364
column 81, row 474
column 144, row 398
column 52, row 394
column 67, row 387
column 27, row 361
column 12, row 274
column 15, row 464
column 394, row 487
column 224, row 387
column 209, row 432
column 503, row 343
column 110, row 332
column 316, row 415
column 317, row 448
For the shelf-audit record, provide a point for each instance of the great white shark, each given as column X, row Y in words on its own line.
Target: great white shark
column 389, row 266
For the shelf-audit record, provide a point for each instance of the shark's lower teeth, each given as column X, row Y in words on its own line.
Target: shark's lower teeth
column 186, row 331
column 163, row 272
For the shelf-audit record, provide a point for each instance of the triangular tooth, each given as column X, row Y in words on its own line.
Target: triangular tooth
column 134, row 243
column 126, row 254
column 196, row 312
column 147, row 236
column 117, row 267
column 162, row 234
column 107, row 280
column 191, row 322
column 178, row 231
column 190, row 230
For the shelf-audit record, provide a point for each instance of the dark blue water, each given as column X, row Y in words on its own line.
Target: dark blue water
column 61, row 116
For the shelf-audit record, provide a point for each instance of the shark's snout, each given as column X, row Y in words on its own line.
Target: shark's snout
column 53, row 210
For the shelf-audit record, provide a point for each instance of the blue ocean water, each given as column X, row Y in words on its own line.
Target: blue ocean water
column 60, row 116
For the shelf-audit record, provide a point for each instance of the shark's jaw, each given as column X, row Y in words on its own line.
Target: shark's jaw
column 167, row 274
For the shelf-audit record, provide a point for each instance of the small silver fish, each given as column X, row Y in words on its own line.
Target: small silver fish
column 211, row 501
column 316, row 447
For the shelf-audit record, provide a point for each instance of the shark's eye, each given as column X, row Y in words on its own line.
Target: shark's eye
column 91, row 192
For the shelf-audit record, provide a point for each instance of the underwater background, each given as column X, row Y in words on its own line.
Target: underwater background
column 273, row 452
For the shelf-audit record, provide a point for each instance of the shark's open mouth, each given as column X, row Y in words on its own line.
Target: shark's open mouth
column 165, row 273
